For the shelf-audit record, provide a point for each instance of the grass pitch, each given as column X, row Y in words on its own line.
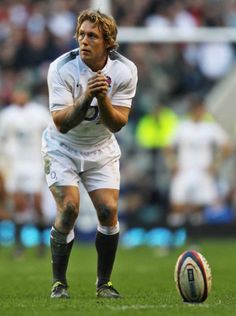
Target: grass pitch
column 144, row 278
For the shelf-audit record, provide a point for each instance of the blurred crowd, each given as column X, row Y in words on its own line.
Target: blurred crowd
column 181, row 13
column 33, row 33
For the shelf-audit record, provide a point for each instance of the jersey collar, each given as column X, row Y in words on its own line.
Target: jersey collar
column 84, row 68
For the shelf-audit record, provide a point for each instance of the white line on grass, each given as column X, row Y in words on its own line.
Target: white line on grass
column 146, row 306
column 136, row 306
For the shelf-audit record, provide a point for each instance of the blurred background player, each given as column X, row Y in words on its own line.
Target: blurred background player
column 21, row 126
column 198, row 148
column 3, row 199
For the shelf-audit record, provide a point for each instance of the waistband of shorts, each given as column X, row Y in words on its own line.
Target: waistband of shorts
column 48, row 138
column 87, row 151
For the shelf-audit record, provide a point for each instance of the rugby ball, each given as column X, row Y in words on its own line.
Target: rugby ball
column 193, row 277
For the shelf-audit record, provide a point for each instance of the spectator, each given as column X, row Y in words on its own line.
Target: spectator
column 155, row 129
column 169, row 14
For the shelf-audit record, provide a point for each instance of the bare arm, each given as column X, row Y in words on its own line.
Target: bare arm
column 72, row 116
column 170, row 154
column 219, row 156
column 112, row 116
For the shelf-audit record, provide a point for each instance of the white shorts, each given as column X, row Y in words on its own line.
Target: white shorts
column 96, row 168
column 193, row 187
column 25, row 178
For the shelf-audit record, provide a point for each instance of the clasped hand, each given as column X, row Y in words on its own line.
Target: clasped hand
column 98, row 85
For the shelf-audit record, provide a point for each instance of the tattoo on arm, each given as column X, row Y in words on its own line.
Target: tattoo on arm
column 77, row 113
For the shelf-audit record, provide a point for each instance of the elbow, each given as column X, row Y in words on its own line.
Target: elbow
column 115, row 129
column 62, row 129
column 60, row 123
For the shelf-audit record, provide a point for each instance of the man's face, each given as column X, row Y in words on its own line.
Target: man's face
column 92, row 46
column 20, row 97
column 198, row 112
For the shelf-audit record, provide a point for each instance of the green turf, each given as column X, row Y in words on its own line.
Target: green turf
column 144, row 278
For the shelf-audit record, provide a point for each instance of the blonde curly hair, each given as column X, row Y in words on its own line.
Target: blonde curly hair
column 105, row 23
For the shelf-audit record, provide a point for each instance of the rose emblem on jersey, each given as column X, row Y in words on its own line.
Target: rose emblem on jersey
column 108, row 81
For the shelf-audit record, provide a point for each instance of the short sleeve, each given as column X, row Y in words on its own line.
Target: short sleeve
column 60, row 95
column 126, row 88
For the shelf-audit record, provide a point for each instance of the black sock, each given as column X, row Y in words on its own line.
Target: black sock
column 106, row 246
column 18, row 229
column 41, row 227
column 60, row 256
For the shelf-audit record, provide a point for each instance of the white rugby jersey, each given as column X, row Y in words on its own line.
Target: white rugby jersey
column 67, row 80
column 21, row 132
column 195, row 142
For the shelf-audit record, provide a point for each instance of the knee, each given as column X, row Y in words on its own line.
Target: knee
column 107, row 214
column 69, row 215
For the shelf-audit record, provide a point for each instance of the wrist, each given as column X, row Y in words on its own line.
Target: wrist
column 88, row 96
column 100, row 97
